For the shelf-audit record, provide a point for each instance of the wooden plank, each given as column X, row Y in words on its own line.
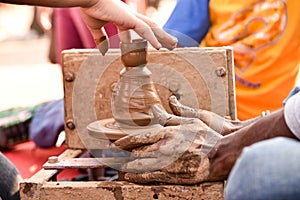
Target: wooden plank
column 83, row 163
column 128, row 191
column 231, row 85
column 30, row 188
column 38, row 188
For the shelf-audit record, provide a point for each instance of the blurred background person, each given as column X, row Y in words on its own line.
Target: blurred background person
column 265, row 36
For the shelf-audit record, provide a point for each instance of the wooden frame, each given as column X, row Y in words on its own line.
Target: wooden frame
column 212, row 67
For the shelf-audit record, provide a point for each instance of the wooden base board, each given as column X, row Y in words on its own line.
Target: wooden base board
column 128, row 191
column 43, row 186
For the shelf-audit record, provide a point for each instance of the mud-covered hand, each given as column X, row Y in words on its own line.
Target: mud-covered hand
column 171, row 154
column 220, row 124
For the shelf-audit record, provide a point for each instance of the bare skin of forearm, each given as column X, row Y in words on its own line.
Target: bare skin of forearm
column 53, row 3
column 229, row 148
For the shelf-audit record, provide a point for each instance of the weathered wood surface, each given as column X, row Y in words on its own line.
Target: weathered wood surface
column 128, row 191
column 200, row 77
column 40, row 187
column 84, row 163
column 30, row 188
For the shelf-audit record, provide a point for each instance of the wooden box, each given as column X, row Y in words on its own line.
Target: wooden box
column 199, row 77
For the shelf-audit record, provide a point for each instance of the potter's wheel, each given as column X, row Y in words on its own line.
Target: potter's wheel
column 105, row 129
column 109, row 129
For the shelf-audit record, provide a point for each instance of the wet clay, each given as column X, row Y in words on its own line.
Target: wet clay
column 135, row 93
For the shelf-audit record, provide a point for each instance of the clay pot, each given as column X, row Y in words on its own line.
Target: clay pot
column 135, row 94
column 135, row 53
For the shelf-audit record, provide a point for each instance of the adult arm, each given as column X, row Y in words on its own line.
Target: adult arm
column 52, row 3
column 96, row 13
column 281, row 123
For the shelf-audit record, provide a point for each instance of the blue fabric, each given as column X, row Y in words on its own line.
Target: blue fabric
column 189, row 22
column 266, row 170
column 292, row 93
column 47, row 123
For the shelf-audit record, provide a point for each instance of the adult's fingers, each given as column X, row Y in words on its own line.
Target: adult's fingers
column 181, row 110
column 102, row 44
column 140, row 138
column 127, row 20
column 166, row 119
column 163, row 37
column 146, row 165
column 96, row 28
column 124, row 36
column 174, row 120
column 148, row 151
column 146, row 32
column 94, row 25
column 176, row 141
column 214, row 121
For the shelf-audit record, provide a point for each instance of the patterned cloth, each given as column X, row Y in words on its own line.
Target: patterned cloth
column 41, row 123
column 14, row 125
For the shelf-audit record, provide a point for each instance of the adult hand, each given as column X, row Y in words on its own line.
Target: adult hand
column 173, row 154
column 220, row 124
column 98, row 12
column 227, row 150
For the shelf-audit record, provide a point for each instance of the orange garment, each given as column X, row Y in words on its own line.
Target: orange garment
column 265, row 36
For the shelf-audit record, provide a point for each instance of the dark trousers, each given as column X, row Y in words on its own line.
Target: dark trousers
column 9, row 180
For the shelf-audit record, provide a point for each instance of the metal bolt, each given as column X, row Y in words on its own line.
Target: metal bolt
column 70, row 124
column 113, row 85
column 221, row 71
column 69, row 76
column 53, row 159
